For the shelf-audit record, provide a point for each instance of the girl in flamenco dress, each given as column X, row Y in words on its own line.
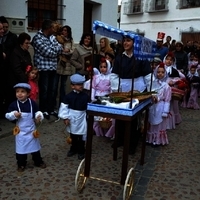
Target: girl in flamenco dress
column 100, row 87
column 159, row 111
column 173, row 76
column 194, row 81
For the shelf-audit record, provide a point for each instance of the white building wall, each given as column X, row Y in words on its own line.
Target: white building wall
column 104, row 10
column 73, row 13
column 105, row 13
column 172, row 22
column 13, row 8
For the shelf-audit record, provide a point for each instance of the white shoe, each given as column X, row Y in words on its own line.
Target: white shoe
column 112, row 138
column 57, row 120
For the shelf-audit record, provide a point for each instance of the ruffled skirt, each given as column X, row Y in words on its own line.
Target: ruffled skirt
column 157, row 134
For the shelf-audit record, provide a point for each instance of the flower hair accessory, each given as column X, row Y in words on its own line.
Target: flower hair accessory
column 162, row 65
column 171, row 54
column 28, row 68
column 103, row 59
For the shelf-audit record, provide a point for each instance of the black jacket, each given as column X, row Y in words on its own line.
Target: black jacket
column 181, row 60
column 19, row 60
column 9, row 44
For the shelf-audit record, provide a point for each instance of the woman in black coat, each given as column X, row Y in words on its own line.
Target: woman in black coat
column 181, row 58
column 19, row 60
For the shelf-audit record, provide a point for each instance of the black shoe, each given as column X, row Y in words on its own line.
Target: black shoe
column 155, row 145
column 42, row 165
column 46, row 115
column 131, row 151
column 81, row 156
column 118, row 145
column 70, row 153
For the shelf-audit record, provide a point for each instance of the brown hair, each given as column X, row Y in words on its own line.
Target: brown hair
column 29, row 69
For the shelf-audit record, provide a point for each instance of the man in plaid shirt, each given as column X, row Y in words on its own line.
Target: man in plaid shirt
column 46, row 52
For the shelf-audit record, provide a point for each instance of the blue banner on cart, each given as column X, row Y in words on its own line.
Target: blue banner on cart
column 143, row 48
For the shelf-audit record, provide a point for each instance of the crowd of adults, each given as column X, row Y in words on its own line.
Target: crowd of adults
column 55, row 56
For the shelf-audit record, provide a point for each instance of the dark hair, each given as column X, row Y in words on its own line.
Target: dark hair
column 46, row 24
column 69, row 32
column 22, row 37
column 110, row 54
column 174, row 41
column 3, row 20
column 29, row 69
column 193, row 53
column 169, row 37
column 84, row 36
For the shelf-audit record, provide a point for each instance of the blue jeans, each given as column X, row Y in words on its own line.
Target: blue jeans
column 62, row 89
column 47, row 90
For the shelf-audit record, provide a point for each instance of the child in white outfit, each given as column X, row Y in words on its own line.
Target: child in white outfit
column 73, row 111
column 159, row 111
column 25, row 112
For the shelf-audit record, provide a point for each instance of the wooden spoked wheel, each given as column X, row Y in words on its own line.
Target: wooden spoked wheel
column 129, row 184
column 80, row 179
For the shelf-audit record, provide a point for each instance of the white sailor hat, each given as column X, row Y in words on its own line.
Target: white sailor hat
column 77, row 79
column 23, row 85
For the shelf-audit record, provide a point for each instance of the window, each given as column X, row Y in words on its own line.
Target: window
column 159, row 4
column 133, row 7
column 39, row 10
column 156, row 5
column 189, row 3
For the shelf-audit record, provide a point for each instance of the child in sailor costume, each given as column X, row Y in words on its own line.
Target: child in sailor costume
column 73, row 111
column 25, row 112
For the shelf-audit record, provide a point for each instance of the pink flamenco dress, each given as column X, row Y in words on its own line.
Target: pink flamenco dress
column 34, row 90
column 158, row 113
column 174, row 117
column 107, row 132
column 100, row 87
column 193, row 99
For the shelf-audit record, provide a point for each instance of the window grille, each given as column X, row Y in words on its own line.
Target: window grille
column 39, row 10
column 189, row 3
column 133, row 7
column 156, row 5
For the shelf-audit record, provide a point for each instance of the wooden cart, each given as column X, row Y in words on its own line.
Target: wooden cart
column 127, row 115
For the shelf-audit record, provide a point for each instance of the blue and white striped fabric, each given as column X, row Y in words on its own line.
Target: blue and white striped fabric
column 143, row 48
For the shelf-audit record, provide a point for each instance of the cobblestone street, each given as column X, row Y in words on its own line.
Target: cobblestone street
column 170, row 172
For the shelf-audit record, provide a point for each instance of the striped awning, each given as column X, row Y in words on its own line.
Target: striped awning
column 143, row 48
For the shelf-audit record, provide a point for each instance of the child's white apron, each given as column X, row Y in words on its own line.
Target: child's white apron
column 78, row 124
column 25, row 141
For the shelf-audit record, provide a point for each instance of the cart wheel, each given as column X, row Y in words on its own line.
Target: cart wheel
column 129, row 184
column 80, row 179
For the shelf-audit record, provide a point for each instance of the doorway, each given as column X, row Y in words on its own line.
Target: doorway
column 190, row 37
column 87, row 20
